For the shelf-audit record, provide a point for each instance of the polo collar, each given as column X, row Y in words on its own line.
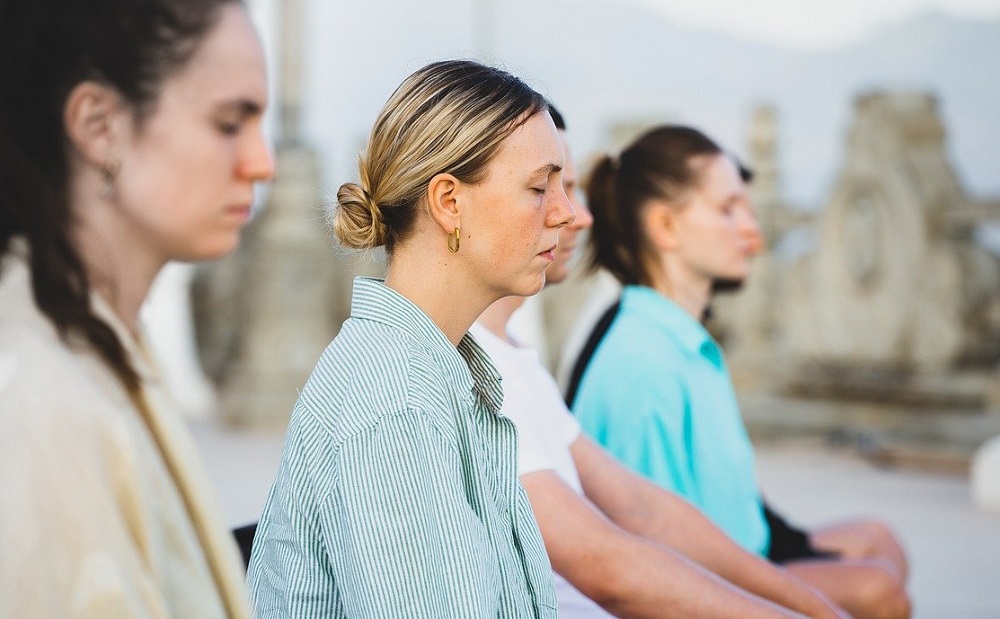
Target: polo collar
column 690, row 335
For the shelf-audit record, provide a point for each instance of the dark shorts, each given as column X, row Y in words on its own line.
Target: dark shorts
column 789, row 543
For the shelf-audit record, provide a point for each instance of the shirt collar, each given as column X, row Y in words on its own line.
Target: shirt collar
column 690, row 334
column 467, row 363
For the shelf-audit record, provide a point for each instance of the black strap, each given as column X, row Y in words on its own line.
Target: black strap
column 587, row 352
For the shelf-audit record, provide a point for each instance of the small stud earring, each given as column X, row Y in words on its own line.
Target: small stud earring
column 110, row 172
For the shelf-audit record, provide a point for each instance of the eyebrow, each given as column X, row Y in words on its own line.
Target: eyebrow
column 548, row 168
column 246, row 107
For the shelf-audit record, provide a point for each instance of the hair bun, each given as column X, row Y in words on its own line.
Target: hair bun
column 358, row 221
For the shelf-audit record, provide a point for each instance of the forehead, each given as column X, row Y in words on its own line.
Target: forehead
column 228, row 64
column 532, row 145
column 720, row 176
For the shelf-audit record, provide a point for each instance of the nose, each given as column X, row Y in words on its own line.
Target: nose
column 561, row 211
column 584, row 219
column 257, row 161
column 750, row 231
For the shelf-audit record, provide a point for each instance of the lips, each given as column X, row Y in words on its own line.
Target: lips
column 241, row 210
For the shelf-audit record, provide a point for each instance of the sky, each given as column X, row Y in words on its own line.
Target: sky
column 347, row 77
column 803, row 25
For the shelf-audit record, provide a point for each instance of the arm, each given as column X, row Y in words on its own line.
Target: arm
column 289, row 573
column 629, row 576
column 652, row 513
column 393, row 532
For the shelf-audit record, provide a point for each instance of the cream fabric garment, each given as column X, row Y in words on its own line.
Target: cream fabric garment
column 104, row 509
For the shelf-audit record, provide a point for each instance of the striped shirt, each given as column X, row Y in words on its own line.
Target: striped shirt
column 397, row 494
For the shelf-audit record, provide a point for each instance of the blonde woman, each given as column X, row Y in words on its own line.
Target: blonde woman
column 397, row 494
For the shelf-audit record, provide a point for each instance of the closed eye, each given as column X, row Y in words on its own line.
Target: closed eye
column 229, row 128
column 232, row 115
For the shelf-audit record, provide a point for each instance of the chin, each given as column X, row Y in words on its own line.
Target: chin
column 211, row 250
column 530, row 288
column 739, row 273
column 556, row 273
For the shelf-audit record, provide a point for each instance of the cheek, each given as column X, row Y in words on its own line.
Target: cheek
column 173, row 190
column 517, row 227
column 163, row 192
column 190, row 152
column 162, row 162
column 512, row 245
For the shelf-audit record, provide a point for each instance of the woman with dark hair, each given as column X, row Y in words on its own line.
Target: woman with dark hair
column 398, row 494
column 671, row 220
column 130, row 135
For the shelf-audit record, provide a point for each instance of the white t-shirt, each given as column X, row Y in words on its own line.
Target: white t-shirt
column 545, row 431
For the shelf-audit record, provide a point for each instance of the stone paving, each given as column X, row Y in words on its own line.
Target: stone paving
column 954, row 550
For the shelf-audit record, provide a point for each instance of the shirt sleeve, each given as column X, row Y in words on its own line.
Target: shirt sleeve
column 290, row 573
column 395, row 536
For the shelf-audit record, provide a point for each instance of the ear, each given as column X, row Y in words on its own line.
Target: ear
column 444, row 203
column 659, row 221
column 94, row 117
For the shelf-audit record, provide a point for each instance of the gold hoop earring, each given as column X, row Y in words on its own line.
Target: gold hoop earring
column 454, row 241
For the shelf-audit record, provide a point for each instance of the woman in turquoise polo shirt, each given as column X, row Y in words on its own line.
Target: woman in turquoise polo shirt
column 671, row 219
column 397, row 494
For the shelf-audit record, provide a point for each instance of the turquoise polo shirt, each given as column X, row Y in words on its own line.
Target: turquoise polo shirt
column 658, row 395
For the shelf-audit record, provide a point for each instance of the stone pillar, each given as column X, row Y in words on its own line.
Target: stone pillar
column 763, row 160
column 745, row 319
column 170, row 330
column 290, row 289
column 290, row 84
column 753, row 318
column 289, row 269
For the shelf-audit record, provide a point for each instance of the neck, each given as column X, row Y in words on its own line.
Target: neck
column 496, row 316
column 119, row 265
column 685, row 289
column 431, row 285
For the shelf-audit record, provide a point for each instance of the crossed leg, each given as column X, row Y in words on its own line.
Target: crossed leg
column 865, row 588
column 863, row 539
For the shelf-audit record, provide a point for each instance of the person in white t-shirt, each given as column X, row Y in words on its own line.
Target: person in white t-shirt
column 620, row 546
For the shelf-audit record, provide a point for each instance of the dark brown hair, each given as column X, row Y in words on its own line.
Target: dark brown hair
column 660, row 164
column 46, row 49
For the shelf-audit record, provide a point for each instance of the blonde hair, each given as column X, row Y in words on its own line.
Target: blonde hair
column 448, row 117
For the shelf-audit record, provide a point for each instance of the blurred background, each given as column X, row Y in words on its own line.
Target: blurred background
column 866, row 344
